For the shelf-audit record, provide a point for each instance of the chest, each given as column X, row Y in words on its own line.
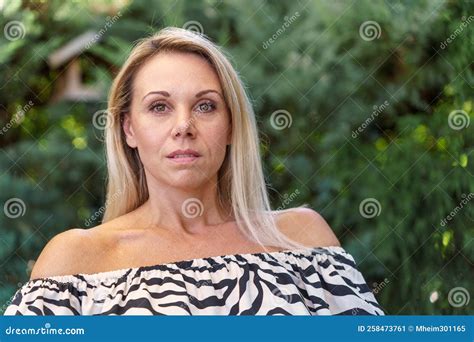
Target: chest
column 134, row 249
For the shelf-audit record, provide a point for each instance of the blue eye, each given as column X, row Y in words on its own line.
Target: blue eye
column 206, row 107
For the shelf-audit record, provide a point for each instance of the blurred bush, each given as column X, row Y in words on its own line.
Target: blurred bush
column 364, row 110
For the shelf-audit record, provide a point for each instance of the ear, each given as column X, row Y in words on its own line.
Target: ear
column 128, row 130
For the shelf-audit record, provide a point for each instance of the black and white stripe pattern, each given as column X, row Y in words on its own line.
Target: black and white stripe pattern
column 308, row 281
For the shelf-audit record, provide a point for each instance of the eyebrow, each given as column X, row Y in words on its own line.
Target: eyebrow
column 166, row 94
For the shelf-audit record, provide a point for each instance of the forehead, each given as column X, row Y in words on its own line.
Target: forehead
column 176, row 72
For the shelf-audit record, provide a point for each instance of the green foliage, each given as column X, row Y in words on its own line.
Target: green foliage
column 398, row 89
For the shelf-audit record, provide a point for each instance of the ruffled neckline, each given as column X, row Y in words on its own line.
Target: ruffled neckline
column 114, row 274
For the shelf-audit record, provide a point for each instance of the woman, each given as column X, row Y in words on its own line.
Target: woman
column 188, row 228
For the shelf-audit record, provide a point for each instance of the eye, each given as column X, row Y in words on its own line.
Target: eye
column 206, row 107
column 158, row 107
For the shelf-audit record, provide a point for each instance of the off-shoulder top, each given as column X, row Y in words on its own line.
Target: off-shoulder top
column 307, row 281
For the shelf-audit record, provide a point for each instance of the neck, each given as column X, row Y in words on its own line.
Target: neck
column 189, row 211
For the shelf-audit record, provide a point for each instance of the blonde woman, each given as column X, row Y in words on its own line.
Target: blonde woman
column 188, row 228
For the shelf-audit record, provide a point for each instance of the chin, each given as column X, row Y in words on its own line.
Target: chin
column 187, row 183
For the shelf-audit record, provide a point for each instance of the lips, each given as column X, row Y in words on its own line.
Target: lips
column 188, row 153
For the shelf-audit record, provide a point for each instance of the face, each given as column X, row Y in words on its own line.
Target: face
column 177, row 104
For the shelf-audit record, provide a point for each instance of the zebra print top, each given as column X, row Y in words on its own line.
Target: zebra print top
column 307, row 281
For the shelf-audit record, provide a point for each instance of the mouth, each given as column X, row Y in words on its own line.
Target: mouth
column 187, row 156
column 183, row 158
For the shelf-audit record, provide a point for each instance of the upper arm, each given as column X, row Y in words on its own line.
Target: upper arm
column 61, row 255
column 306, row 226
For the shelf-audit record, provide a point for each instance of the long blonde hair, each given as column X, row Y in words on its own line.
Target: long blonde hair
column 241, row 185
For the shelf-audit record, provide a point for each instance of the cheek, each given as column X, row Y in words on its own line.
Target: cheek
column 217, row 142
column 149, row 139
column 218, row 134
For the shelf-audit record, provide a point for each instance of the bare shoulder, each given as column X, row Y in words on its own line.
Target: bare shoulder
column 306, row 226
column 80, row 250
column 65, row 253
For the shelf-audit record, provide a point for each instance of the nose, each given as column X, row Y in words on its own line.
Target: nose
column 184, row 126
